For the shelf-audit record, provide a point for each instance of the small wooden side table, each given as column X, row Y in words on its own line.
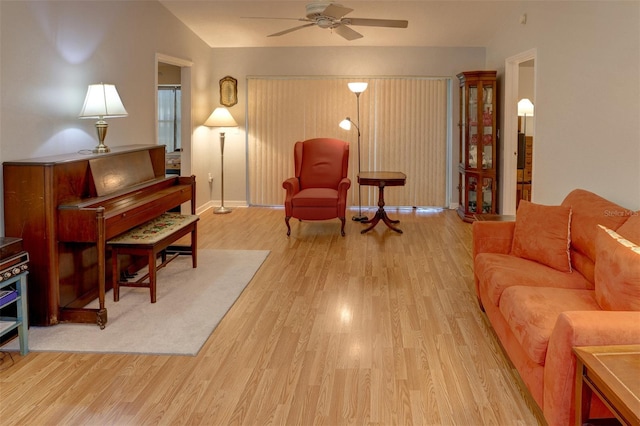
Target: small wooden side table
column 381, row 179
column 613, row 374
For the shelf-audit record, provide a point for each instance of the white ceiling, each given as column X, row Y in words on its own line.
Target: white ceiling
column 447, row 23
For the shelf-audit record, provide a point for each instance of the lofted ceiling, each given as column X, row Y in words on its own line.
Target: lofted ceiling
column 447, row 23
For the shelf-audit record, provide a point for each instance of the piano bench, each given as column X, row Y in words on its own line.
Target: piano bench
column 152, row 239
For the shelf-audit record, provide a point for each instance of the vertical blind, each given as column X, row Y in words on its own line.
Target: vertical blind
column 403, row 126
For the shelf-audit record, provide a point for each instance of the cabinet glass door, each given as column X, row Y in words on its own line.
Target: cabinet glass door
column 487, row 126
column 487, row 198
column 472, row 161
column 472, row 191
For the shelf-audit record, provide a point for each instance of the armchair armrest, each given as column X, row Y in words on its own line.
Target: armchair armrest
column 492, row 237
column 580, row 328
column 343, row 187
column 292, row 186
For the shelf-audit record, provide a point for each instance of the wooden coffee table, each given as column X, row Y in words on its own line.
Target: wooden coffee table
column 613, row 373
column 381, row 179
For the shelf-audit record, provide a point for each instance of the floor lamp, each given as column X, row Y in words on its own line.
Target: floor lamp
column 356, row 88
column 221, row 117
column 525, row 107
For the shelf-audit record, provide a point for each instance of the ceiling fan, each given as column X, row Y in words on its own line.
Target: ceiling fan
column 332, row 15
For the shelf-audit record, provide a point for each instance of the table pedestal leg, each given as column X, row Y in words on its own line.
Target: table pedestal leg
column 381, row 215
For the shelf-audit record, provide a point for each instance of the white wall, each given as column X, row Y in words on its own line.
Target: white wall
column 50, row 51
column 327, row 61
column 587, row 121
column 587, row 94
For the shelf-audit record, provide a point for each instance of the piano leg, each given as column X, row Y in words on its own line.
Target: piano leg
column 88, row 315
column 101, row 318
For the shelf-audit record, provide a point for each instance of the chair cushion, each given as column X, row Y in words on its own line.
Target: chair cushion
column 542, row 234
column 315, row 197
column 497, row 272
column 531, row 313
column 617, row 272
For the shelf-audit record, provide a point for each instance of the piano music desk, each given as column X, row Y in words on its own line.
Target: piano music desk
column 150, row 239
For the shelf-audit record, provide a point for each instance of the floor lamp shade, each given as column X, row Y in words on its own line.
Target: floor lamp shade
column 222, row 118
column 102, row 101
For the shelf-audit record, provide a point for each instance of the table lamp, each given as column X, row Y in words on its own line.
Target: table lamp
column 102, row 101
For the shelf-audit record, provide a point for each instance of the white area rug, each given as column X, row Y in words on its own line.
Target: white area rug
column 190, row 304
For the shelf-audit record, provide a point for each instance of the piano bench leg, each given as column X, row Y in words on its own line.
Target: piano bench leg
column 115, row 276
column 152, row 274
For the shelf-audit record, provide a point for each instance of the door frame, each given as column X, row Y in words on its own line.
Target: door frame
column 510, row 138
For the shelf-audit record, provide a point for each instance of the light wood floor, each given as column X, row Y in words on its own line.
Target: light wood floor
column 378, row 328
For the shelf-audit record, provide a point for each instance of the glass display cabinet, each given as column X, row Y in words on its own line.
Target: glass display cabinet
column 478, row 144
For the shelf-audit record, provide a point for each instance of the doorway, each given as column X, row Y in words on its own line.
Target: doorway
column 169, row 115
column 517, row 68
column 176, row 72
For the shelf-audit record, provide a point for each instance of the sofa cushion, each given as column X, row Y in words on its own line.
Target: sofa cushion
column 531, row 313
column 496, row 272
column 542, row 234
column 630, row 229
column 617, row 272
column 588, row 211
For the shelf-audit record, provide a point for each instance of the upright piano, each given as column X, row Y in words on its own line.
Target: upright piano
column 66, row 207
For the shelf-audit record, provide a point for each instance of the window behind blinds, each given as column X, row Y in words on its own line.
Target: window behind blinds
column 403, row 125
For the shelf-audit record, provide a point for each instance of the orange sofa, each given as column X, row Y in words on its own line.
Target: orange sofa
column 555, row 278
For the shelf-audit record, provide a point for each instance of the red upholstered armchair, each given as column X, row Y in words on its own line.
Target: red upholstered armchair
column 319, row 189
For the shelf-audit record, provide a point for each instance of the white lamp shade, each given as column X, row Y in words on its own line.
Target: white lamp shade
column 220, row 117
column 357, row 87
column 102, row 101
column 345, row 124
column 525, row 108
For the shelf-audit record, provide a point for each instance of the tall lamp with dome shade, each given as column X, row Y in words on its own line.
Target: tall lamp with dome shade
column 221, row 117
column 102, row 101
column 357, row 88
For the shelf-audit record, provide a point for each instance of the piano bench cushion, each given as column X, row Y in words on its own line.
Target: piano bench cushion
column 154, row 230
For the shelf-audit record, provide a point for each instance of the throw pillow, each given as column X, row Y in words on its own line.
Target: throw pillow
column 617, row 272
column 542, row 233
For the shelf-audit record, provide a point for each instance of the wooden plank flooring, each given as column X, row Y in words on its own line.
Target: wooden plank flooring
column 374, row 329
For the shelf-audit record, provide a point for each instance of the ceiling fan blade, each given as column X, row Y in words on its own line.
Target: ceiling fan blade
column 290, row 30
column 347, row 33
column 336, row 11
column 271, row 17
column 389, row 23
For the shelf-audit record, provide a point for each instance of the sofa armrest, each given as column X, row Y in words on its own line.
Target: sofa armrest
column 580, row 328
column 492, row 237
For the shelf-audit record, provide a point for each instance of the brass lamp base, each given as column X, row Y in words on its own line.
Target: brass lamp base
column 101, row 149
column 222, row 210
column 101, row 128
